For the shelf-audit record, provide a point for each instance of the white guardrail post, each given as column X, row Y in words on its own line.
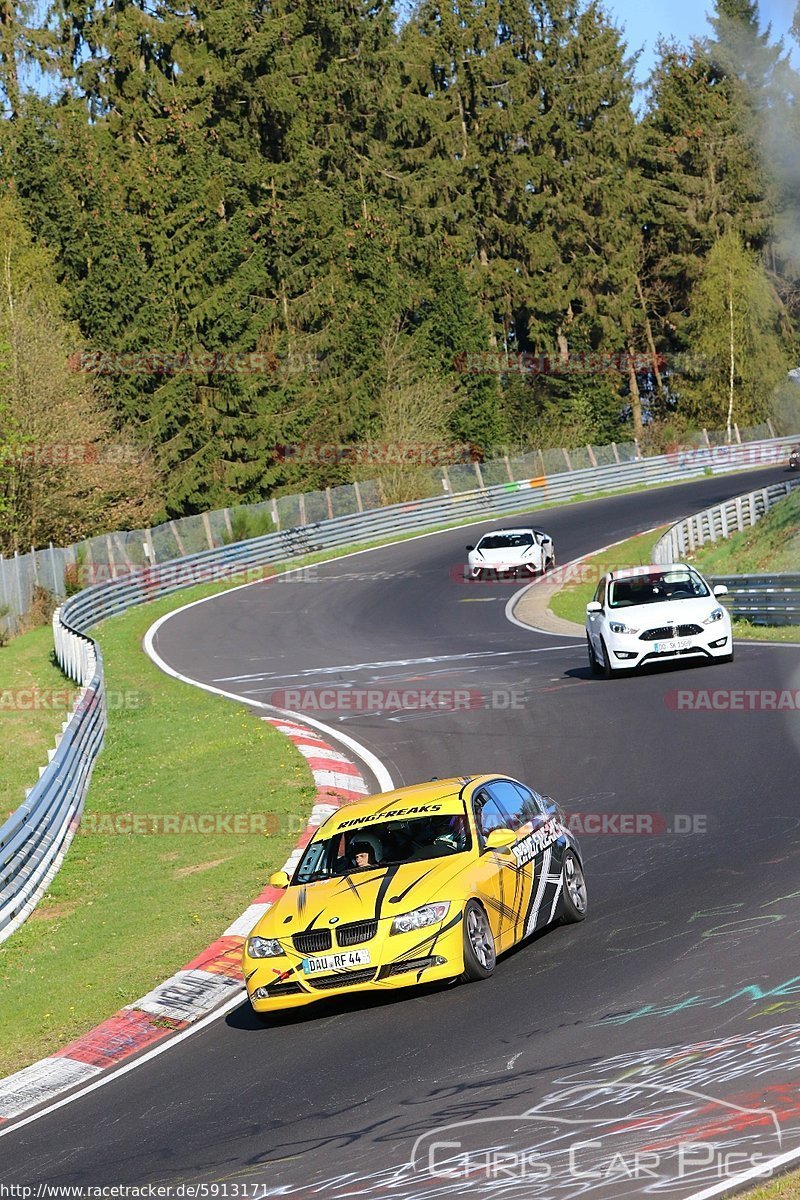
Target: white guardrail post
column 34, row 839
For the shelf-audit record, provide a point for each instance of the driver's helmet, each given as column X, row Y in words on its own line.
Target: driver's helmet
column 365, row 843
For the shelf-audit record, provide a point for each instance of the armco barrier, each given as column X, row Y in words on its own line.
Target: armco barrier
column 107, row 555
column 719, row 522
column 35, row 837
column 761, row 599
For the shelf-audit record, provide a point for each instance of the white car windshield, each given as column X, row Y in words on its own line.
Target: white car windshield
column 383, row 844
column 656, row 587
column 505, row 541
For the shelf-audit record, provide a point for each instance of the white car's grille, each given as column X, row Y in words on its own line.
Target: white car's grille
column 663, row 632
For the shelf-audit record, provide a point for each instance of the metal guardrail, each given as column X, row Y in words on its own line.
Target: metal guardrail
column 761, row 599
column 34, row 839
column 715, row 524
column 101, row 557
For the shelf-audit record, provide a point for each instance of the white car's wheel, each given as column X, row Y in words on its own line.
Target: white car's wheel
column 606, row 670
column 593, row 663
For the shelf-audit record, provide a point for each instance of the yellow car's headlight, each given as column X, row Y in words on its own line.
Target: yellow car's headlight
column 259, row 947
column 418, row 918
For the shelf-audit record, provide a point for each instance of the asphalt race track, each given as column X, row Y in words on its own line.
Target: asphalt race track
column 653, row 1049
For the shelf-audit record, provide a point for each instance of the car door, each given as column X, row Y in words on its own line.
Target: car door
column 542, row 842
column 594, row 621
column 496, row 877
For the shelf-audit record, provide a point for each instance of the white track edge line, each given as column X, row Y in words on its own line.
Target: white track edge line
column 118, row 1072
column 382, row 775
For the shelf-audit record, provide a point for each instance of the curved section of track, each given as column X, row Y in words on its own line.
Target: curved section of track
column 668, row 1017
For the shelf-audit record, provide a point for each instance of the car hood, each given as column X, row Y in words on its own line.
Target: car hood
column 670, row 612
column 362, row 896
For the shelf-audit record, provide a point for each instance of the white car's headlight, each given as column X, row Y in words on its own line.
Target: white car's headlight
column 259, row 947
column 418, row 918
column 618, row 627
column 715, row 615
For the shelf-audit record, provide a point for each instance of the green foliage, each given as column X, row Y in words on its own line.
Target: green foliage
column 266, row 194
column 734, row 331
column 248, row 524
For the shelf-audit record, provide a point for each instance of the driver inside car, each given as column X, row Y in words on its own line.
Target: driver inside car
column 362, row 855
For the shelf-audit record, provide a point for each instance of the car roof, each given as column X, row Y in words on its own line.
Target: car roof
column 509, row 529
column 446, row 793
column 647, row 569
column 417, row 795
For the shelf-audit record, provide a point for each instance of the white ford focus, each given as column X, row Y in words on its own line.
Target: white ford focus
column 654, row 614
column 508, row 551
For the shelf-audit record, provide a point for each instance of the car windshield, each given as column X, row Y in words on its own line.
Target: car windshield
column 383, row 844
column 505, row 541
column 656, row 587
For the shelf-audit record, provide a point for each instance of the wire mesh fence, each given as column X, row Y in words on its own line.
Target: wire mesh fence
column 61, row 571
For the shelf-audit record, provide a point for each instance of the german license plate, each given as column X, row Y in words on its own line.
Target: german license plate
column 336, row 962
column 673, row 645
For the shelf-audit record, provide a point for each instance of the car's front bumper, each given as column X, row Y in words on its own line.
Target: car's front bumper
column 476, row 569
column 628, row 651
column 396, row 960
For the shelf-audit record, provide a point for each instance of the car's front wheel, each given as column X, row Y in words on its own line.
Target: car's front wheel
column 573, row 904
column 593, row 663
column 480, row 955
column 606, row 670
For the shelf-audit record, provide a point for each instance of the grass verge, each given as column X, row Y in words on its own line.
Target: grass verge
column 787, row 1188
column 127, row 910
column 772, row 544
column 34, row 701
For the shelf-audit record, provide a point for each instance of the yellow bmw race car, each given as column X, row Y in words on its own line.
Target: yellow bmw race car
column 426, row 883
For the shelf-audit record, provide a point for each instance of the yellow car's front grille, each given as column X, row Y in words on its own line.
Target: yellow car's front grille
column 358, row 931
column 313, row 941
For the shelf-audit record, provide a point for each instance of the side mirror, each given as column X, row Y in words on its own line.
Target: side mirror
column 470, row 548
column 720, row 590
column 500, row 839
column 594, row 606
column 279, row 879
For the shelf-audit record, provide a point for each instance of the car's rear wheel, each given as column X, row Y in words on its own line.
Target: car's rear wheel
column 480, row 955
column 573, row 903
